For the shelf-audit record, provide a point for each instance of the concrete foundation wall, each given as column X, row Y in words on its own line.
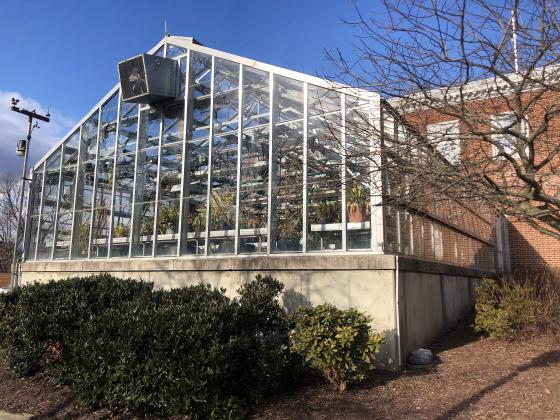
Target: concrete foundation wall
column 431, row 296
column 429, row 304
column 366, row 282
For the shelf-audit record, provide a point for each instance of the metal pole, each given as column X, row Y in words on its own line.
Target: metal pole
column 14, row 282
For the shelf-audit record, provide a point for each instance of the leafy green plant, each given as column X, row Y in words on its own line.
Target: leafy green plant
column 329, row 212
column 338, row 343
column 504, row 309
column 120, row 231
column 169, row 218
column 147, row 227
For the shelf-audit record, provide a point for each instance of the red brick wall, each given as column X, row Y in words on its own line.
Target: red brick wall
column 528, row 247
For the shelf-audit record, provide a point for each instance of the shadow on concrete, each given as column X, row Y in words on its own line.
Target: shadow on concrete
column 545, row 359
column 293, row 300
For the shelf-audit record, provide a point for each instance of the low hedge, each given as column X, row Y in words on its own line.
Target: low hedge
column 121, row 345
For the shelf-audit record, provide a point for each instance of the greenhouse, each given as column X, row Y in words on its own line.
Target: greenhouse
column 202, row 166
column 244, row 158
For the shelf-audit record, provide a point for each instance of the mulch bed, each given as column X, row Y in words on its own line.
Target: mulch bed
column 473, row 377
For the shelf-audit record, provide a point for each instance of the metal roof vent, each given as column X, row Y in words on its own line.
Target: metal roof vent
column 147, row 79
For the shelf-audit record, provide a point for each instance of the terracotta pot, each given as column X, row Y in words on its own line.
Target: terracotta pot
column 356, row 214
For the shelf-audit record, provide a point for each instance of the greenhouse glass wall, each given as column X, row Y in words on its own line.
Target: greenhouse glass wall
column 248, row 159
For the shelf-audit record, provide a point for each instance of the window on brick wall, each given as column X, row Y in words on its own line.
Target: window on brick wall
column 437, row 241
column 507, row 120
column 445, row 138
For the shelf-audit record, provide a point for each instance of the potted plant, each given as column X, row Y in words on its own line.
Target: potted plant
column 168, row 219
column 328, row 212
column 120, row 231
column 147, row 227
column 357, row 204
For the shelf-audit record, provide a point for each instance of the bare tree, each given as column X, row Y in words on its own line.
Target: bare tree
column 9, row 201
column 491, row 66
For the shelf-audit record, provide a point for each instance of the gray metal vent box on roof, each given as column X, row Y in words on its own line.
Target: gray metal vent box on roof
column 147, row 79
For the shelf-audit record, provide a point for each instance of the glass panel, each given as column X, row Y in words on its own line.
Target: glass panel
column 322, row 101
column 324, row 171
column 194, row 206
column 89, row 137
column 167, row 228
column 122, row 217
column 128, row 128
column 64, row 225
column 159, row 52
column 253, row 202
column 183, row 75
column 32, row 245
column 196, row 165
column 226, row 96
column 358, row 192
column 170, row 183
column 142, row 237
column 108, row 129
column 222, row 206
column 34, row 208
column 224, row 157
column 256, row 97
column 80, row 240
column 175, row 51
column 36, row 191
column 146, row 183
column 287, row 166
column 149, row 127
column 48, row 212
column 71, row 148
column 173, row 123
column 101, row 213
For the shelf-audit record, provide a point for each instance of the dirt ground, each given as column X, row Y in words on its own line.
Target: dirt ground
column 472, row 378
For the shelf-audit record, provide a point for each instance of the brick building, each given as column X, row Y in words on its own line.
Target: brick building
column 490, row 104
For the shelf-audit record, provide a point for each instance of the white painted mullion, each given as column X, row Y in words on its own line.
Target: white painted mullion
column 94, row 191
column 133, row 205
column 343, row 170
column 113, row 187
column 210, row 163
column 377, row 179
column 76, row 182
column 58, row 192
column 156, row 206
column 271, row 117
column 183, row 163
column 305, row 156
column 40, row 220
column 239, row 138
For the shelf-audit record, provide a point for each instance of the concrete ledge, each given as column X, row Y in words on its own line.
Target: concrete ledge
column 423, row 266
column 215, row 263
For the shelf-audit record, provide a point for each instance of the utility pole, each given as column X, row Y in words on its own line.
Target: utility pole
column 23, row 148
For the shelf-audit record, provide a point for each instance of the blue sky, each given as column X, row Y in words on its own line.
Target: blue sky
column 63, row 54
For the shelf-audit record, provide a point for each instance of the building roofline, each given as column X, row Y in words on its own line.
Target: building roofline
column 195, row 45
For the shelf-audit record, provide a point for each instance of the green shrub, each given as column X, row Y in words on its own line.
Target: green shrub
column 504, row 308
column 338, row 343
column 186, row 351
column 37, row 321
